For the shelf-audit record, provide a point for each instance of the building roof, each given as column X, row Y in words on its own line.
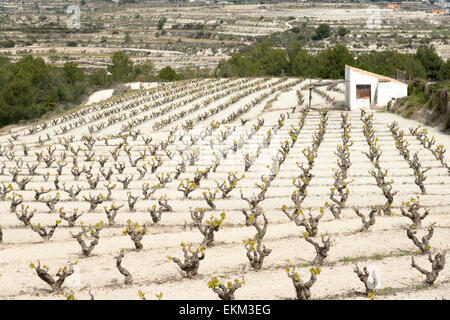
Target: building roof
column 379, row 76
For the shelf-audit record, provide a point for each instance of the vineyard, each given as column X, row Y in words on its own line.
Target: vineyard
column 224, row 189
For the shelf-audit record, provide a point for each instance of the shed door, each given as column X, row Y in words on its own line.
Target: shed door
column 363, row 91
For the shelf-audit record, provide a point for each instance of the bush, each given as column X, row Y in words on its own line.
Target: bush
column 342, row 31
column 430, row 60
column 388, row 62
column 145, row 71
column 161, row 23
column 331, row 62
column 322, row 31
column 304, row 64
column 99, row 78
column 122, row 67
column 72, row 43
column 262, row 59
column 8, row 44
column 168, row 74
column 444, row 71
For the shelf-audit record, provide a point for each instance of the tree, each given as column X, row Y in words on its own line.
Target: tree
column 304, row 64
column 193, row 72
column 7, row 44
column 30, row 88
column 444, row 71
column 161, row 23
column 121, row 68
column 272, row 62
column 99, row 78
column 238, row 65
column 19, row 92
column 127, row 38
column 167, row 74
column 331, row 62
column 388, row 62
column 322, row 31
column 293, row 48
column 262, row 59
column 72, row 43
column 429, row 60
column 342, row 31
column 145, row 71
column 72, row 73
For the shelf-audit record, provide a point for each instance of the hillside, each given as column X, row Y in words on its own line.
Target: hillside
column 428, row 103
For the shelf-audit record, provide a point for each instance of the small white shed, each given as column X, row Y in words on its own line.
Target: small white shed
column 364, row 89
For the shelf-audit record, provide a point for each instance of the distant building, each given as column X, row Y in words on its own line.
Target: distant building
column 438, row 11
column 393, row 6
column 364, row 89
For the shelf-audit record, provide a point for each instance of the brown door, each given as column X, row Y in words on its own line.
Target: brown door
column 363, row 91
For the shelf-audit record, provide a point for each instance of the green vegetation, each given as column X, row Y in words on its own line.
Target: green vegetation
column 331, row 62
column 444, row 71
column 342, row 31
column 72, row 43
column 127, row 38
column 432, row 96
column 7, row 44
column 388, row 62
column 263, row 59
column 323, row 31
column 168, row 74
column 122, row 69
column 161, row 23
column 31, row 88
column 430, row 61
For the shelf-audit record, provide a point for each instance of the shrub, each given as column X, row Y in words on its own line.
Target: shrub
column 168, row 74
column 111, row 212
column 342, row 31
column 322, row 31
column 311, row 224
column 72, row 43
column 24, row 216
column 7, row 44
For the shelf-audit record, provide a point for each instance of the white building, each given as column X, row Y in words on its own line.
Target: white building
column 365, row 89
